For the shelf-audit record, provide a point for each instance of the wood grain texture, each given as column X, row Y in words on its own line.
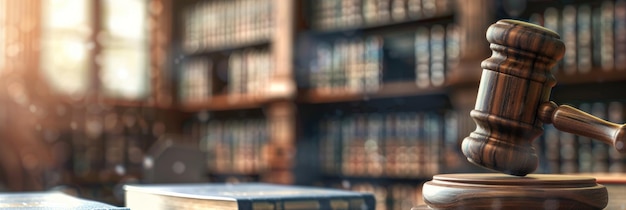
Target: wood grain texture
column 500, row 191
column 516, row 80
column 513, row 101
column 572, row 120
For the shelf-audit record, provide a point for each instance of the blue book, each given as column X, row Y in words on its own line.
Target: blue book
column 50, row 201
column 244, row 196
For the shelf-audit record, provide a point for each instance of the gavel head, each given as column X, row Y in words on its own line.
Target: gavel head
column 515, row 80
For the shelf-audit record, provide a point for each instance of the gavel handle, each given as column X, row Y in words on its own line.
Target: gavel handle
column 572, row 120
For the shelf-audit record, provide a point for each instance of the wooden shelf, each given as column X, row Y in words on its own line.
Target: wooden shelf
column 596, row 75
column 230, row 48
column 117, row 102
column 392, row 89
column 225, row 102
column 606, row 178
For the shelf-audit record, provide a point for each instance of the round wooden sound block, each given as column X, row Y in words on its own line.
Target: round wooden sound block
column 501, row 191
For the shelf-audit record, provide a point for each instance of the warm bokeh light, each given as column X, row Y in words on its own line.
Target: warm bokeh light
column 68, row 51
column 65, row 45
column 2, row 36
column 124, row 73
column 126, row 19
column 124, row 64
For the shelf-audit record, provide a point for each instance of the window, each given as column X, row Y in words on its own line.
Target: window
column 78, row 51
column 66, row 44
column 124, row 68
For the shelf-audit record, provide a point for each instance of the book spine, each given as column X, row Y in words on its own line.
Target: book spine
column 429, row 8
column 569, row 38
column 325, row 54
column 584, row 39
column 452, row 139
column 452, row 47
column 359, row 67
column 403, row 122
column 606, row 43
column 569, row 157
column 433, row 148
column 414, row 8
column 235, row 76
column 552, row 145
column 382, row 11
column 422, row 57
column 352, row 83
column 373, row 145
column 414, row 151
column 369, row 12
column 196, row 84
column 349, row 154
column 620, row 34
column 398, row 10
column 437, row 55
column 391, row 145
column 551, row 21
column 337, row 63
column 358, row 145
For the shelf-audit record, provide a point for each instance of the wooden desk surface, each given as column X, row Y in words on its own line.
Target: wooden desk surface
column 617, row 197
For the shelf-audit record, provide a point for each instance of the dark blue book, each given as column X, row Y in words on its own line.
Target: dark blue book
column 244, row 196
column 50, row 201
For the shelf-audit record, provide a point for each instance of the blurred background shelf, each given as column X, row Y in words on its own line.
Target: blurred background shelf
column 225, row 102
column 311, row 92
column 388, row 90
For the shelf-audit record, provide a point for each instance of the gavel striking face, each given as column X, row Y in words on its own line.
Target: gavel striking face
column 513, row 101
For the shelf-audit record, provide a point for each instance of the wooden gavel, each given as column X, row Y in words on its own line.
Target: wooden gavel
column 513, row 101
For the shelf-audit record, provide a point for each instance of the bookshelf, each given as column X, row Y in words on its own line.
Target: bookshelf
column 355, row 60
column 591, row 68
column 343, row 121
column 226, row 65
column 354, row 94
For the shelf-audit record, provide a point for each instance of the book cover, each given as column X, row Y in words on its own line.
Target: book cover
column 245, row 196
column 52, row 200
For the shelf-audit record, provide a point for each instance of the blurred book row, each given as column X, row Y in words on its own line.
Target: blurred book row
column 211, row 25
column 349, row 14
column 594, row 35
column 246, row 74
column 233, row 146
column 399, row 144
column 363, row 64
